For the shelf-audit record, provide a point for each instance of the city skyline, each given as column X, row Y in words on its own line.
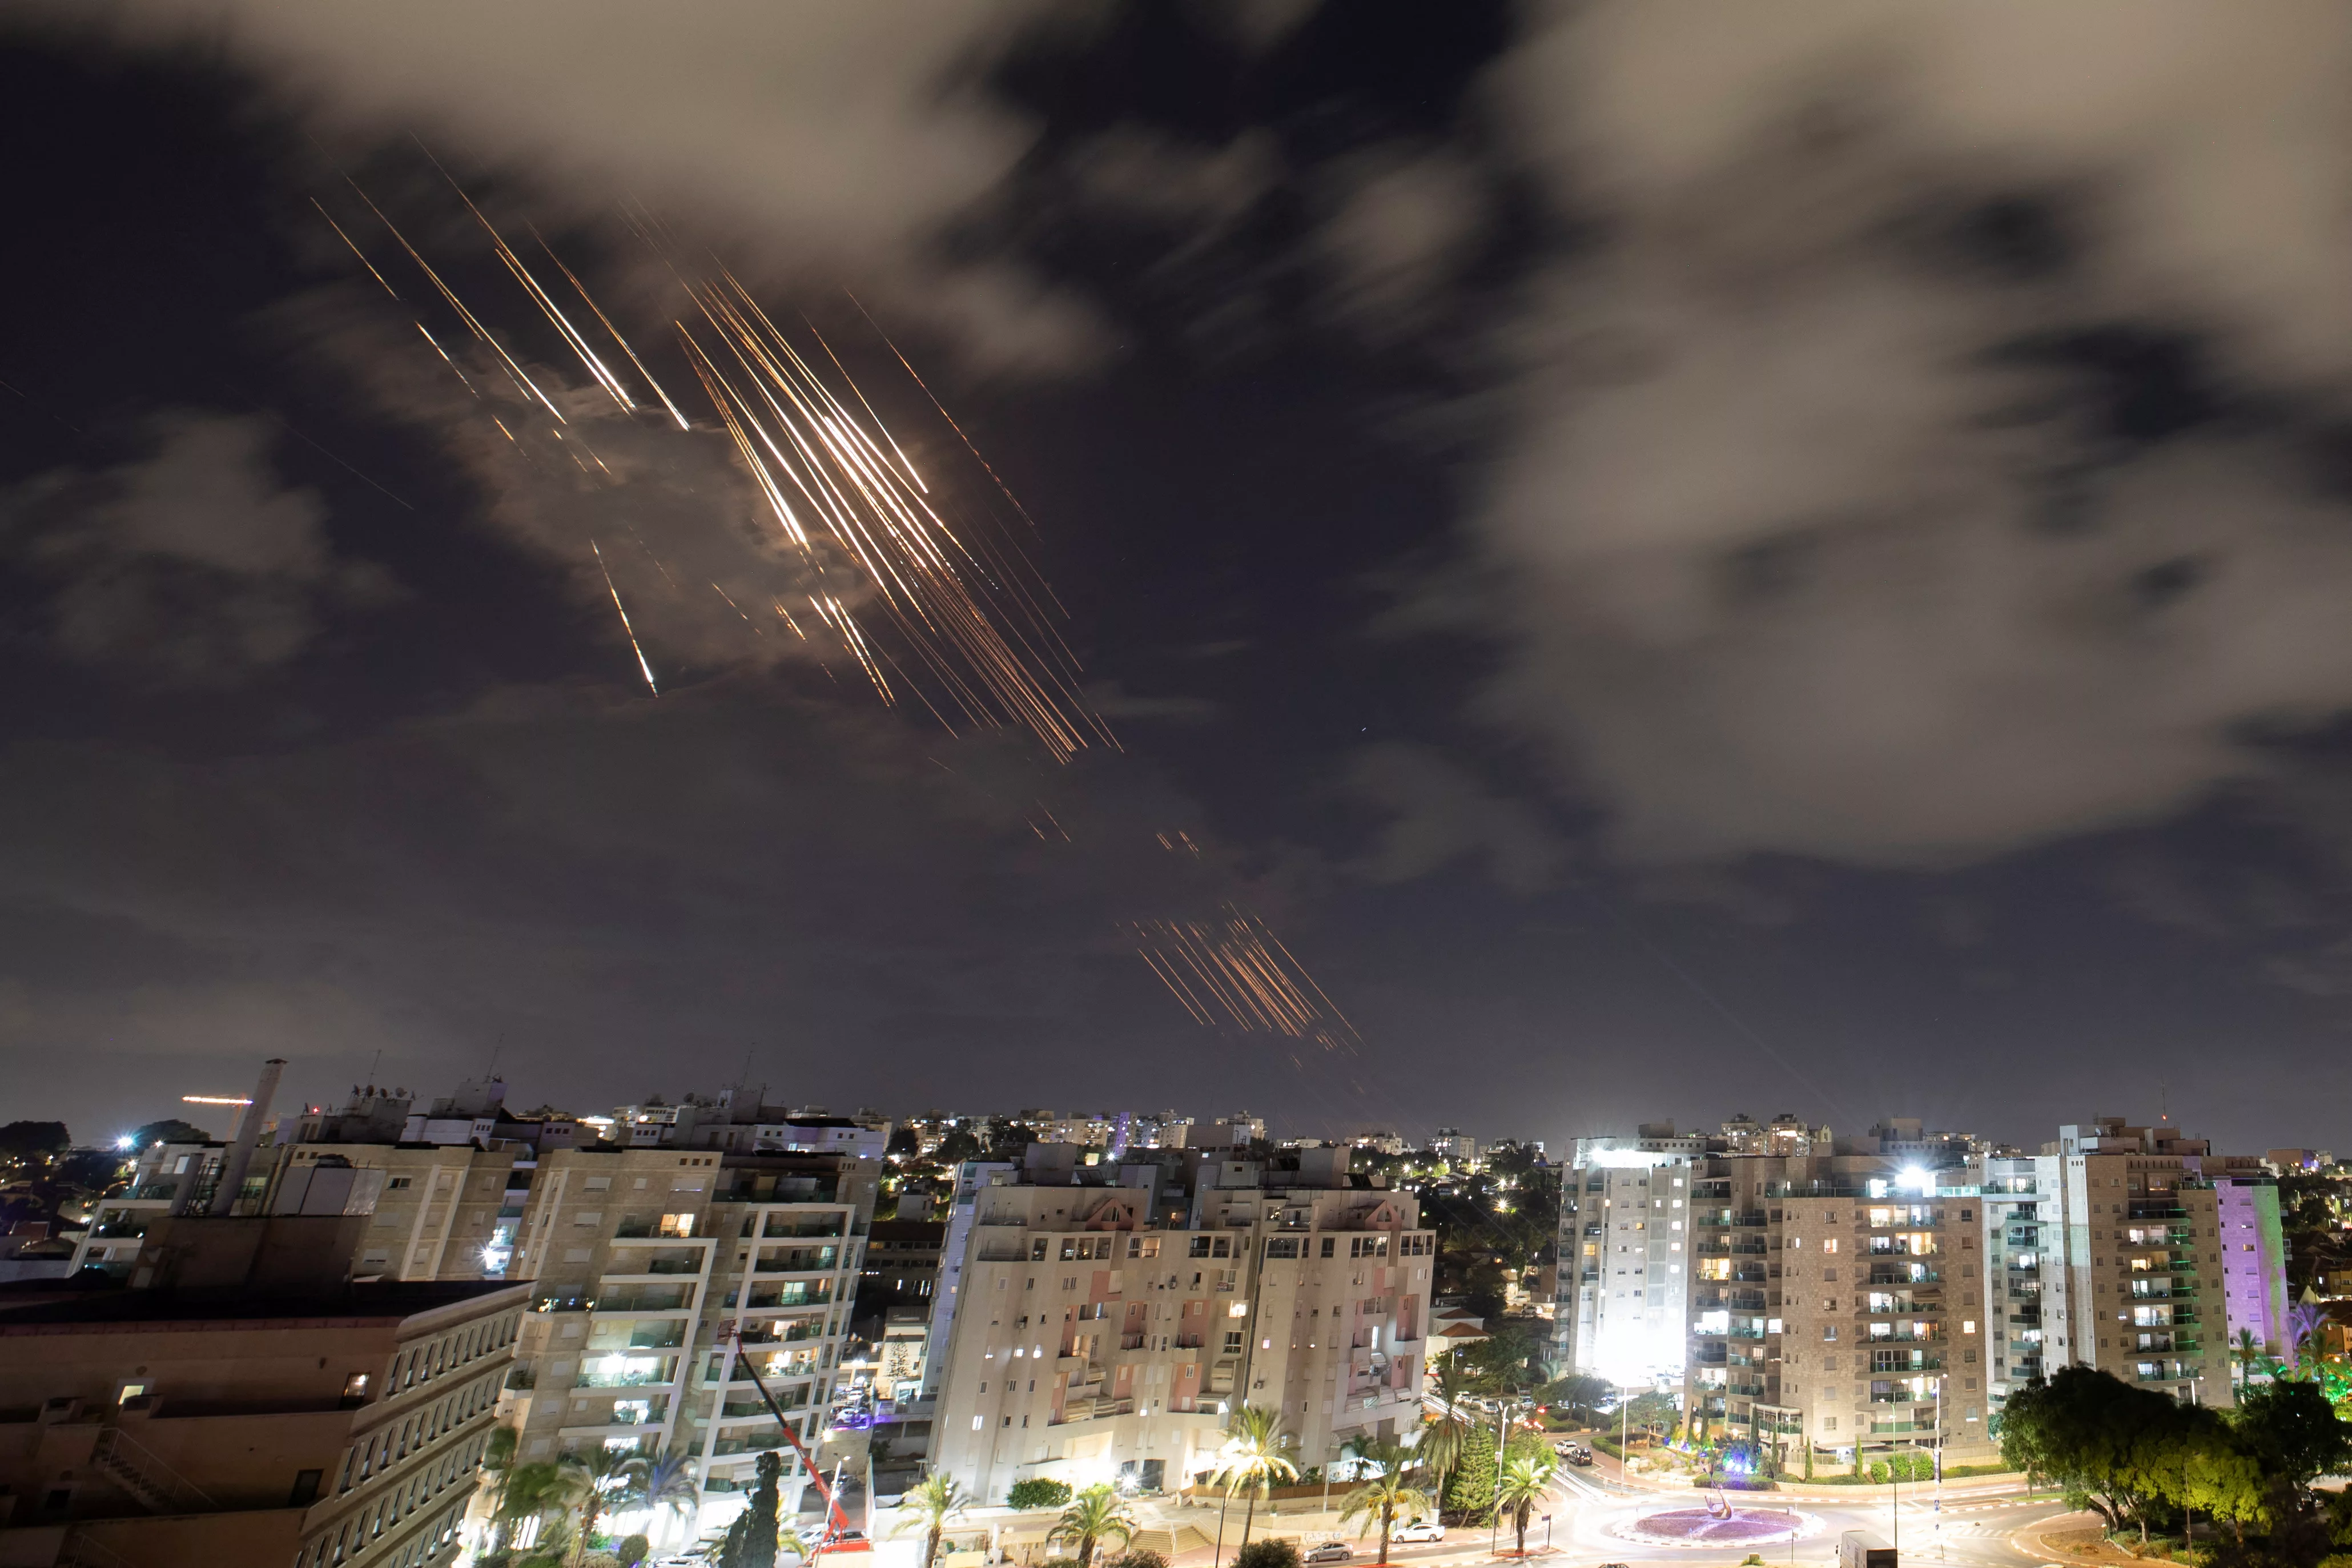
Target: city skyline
column 1429, row 690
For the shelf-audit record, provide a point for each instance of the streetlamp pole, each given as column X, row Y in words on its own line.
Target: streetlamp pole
column 1939, row 1466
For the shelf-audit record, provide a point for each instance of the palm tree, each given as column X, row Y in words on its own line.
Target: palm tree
column 930, row 1505
column 549, row 1492
column 612, row 1476
column 1252, row 1458
column 1093, row 1514
column 2247, row 1350
column 670, row 1486
column 1526, row 1481
column 1384, row 1494
column 2306, row 1321
column 498, row 1467
column 1449, row 1434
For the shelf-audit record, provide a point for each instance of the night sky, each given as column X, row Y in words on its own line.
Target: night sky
column 1684, row 558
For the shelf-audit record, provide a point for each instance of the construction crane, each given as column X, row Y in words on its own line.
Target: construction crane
column 838, row 1536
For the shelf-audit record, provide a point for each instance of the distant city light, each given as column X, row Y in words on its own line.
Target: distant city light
column 126, row 1142
column 214, row 1099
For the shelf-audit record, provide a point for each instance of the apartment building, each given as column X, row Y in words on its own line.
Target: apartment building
column 2011, row 1186
column 1879, row 1341
column 1099, row 1321
column 1837, row 1298
column 2154, row 1252
column 166, row 1179
column 240, row 1402
column 656, row 1272
column 1624, row 1271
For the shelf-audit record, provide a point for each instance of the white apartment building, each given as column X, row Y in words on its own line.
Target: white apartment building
column 2011, row 1186
column 1100, row 1322
column 1624, row 1271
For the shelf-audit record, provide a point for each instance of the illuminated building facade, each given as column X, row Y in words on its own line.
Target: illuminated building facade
column 1624, row 1279
column 1096, row 1322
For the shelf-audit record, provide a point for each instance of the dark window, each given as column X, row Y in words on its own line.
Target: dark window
column 306, row 1489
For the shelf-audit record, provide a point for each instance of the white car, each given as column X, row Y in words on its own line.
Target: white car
column 1417, row 1532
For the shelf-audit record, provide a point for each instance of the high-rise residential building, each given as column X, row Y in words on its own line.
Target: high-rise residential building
column 656, row 1271
column 2155, row 1253
column 1624, row 1270
column 1837, row 1297
column 2010, row 1186
column 1099, row 1321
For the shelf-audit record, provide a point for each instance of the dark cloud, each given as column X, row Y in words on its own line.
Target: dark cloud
column 645, row 890
column 1823, row 526
column 838, row 146
column 1434, row 813
column 194, row 566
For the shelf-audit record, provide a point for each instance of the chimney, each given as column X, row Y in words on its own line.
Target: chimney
column 249, row 1134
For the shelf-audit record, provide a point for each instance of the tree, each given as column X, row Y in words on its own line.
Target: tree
column 1580, row 1395
column 1274, row 1554
column 2245, row 1352
column 171, row 1130
column 551, row 1492
column 1252, row 1460
column 759, row 1520
column 633, row 1550
column 1449, row 1434
column 1039, row 1492
column 1652, row 1412
column 1527, row 1477
column 2116, row 1448
column 930, row 1505
column 1095, row 1514
column 615, row 1476
column 1385, row 1494
column 1470, row 1488
column 33, row 1142
column 670, row 1488
column 2291, row 1431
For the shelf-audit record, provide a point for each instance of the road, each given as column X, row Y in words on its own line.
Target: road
column 1976, row 1528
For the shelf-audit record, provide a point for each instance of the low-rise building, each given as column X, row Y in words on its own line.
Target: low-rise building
column 237, row 1402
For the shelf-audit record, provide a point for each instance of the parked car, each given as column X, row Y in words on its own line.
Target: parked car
column 1419, row 1531
column 1329, row 1551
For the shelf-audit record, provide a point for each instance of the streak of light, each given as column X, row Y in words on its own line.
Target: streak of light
column 214, row 1099
column 1240, row 971
column 448, row 361
column 738, row 609
column 355, row 249
column 617, row 338
column 1058, row 826
column 942, row 408
column 828, row 481
column 629, row 630
column 473, row 324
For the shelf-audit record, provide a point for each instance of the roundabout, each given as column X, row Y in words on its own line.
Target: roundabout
column 1715, row 1529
